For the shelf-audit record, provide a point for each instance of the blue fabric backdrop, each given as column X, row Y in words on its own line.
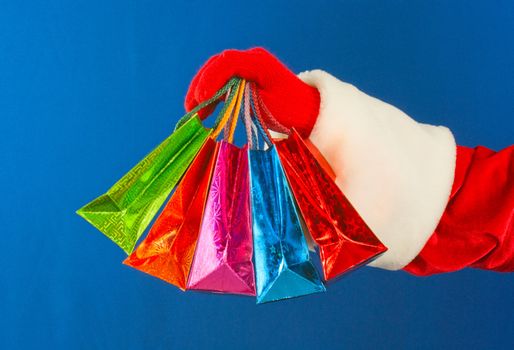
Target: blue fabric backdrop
column 89, row 87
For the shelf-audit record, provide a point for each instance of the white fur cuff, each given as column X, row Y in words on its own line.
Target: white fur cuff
column 398, row 173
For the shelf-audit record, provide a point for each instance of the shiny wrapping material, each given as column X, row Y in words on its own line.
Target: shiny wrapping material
column 282, row 265
column 344, row 240
column 223, row 256
column 167, row 252
column 124, row 212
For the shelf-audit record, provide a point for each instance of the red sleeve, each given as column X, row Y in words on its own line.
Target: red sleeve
column 477, row 227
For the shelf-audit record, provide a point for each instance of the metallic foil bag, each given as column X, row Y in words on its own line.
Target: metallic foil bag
column 344, row 240
column 167, row 252
column 282, row 265
column 223, row 256
column 124, row 212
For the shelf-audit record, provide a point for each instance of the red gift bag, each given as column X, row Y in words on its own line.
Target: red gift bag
column 344, row 240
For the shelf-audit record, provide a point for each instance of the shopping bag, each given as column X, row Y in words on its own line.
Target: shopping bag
column 282, row 265
column 223, row 256
column 123, row 213
column 126, row 209
column 343, row 238
column 168, row 249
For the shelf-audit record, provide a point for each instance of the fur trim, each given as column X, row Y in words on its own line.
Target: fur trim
column 398, row 173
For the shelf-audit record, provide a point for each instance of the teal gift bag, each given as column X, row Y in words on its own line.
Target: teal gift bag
column 283, row 267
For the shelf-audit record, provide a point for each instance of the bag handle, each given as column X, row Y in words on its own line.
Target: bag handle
column 225, row 126
column 273, row 123
column 249, row 126
column 227, row 110
column 230, row 86
column 230, row 127
column 255, row 125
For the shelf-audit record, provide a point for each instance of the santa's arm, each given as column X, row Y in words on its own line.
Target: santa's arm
column 438, row 207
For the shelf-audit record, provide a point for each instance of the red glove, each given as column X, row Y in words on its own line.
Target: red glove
column 291, row 101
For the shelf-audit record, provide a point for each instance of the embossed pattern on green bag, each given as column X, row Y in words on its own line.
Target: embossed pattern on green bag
column 124, row 212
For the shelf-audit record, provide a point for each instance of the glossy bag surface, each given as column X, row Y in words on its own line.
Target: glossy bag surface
column 223, row 257
column 344, row 240
column 126, row 209
column 167, row 252
column 282, row 265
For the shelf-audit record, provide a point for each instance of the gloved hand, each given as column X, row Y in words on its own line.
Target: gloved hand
column 291, row 101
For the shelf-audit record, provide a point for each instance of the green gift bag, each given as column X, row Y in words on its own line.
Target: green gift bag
column 126, row 209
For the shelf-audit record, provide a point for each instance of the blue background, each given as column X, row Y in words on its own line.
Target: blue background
column 87, row 88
